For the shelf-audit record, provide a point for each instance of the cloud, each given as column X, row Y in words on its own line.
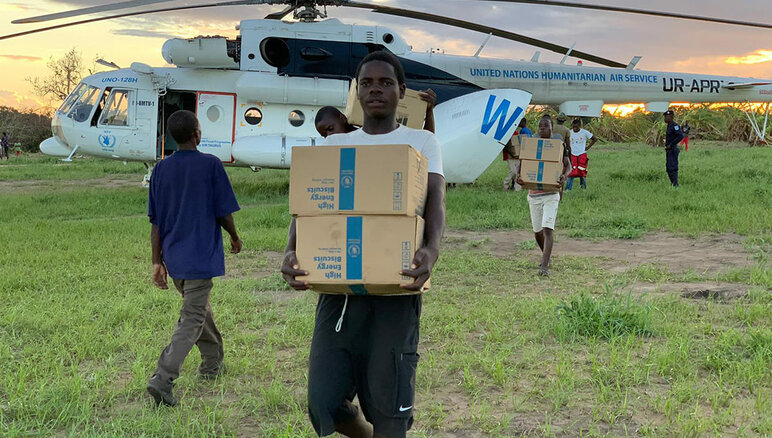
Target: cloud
column 718, row 65
column 753, row 58
column 20, row 101
column 143, row 33
column 18, row 7
column 22, row 58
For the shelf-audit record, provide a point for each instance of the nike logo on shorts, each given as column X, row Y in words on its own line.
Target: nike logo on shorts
column 403, row 409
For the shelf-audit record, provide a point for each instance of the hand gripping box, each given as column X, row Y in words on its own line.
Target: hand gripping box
column 540, row 175
column 411, row 110
column 360, row 255
column 541, row 149
column 388, row 179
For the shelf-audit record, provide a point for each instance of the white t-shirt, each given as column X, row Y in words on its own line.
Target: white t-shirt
column 579, row 141
column 421, row 140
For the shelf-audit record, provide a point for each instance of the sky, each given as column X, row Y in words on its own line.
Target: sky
column 665, row 44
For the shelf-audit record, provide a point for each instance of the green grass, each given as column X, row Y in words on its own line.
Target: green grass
column 503, row 352
column 629, row 194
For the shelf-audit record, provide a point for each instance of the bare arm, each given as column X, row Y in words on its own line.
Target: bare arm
column 229, row 225
column 434, row 217
column 430, row 97
column 566, row 170
column 159, row 269
column 592, row 142
column 289, row 268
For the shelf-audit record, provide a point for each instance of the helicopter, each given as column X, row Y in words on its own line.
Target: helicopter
column 256, row 95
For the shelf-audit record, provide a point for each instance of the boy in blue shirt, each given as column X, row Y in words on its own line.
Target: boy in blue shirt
column 190, row 199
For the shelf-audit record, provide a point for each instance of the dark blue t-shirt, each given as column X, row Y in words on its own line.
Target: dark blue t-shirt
column 188, row 192
column 526, row 131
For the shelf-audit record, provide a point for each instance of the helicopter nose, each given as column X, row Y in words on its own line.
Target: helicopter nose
column 52, row 146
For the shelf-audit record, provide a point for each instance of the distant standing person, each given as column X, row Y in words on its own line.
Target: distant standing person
column 4, row 144
column 685, row 129
column 562, row 129
column 579, row 148
column 544, row 203
column 513, row 161
column 190, row 199
column 673, row 136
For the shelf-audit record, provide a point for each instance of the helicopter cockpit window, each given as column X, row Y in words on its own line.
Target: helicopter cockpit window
column 297, row 118
column 116, row 112
column 253, row 116
column 81, row 110
column 67, row 104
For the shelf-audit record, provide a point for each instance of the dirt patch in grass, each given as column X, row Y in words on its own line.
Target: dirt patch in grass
column 34, row 185
column 705, row 255
column 268, row 262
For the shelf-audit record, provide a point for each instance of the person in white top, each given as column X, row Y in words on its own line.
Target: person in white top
column 374, row 352
column 579, row 148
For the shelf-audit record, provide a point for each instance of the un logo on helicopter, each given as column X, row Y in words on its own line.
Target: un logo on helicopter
column 502, row 111
column 107, row 140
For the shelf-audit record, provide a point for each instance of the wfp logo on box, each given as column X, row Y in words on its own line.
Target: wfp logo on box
column 502, row 115
column 347, row 181
column 354, row 250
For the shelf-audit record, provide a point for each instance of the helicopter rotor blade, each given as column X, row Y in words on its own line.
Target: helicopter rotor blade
column 485, row 29
column 281, row 14
column 637, row 11
column 132, row 14
column 89, row 10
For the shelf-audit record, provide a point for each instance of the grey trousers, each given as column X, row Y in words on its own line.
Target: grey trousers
column 195, row 327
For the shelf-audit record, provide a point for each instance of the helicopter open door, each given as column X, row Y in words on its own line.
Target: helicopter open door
column 216, row 113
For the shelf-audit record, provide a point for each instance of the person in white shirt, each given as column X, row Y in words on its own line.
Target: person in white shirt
column 374, row 353
column 579, row 148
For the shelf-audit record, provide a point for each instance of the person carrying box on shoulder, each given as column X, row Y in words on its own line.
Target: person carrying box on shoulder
column 366, row 345
column 543, row 202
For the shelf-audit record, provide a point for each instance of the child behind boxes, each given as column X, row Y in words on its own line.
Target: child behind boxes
column 329, row 120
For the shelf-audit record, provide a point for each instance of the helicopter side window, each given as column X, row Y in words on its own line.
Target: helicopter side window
column 116, row 112
column 81, row 110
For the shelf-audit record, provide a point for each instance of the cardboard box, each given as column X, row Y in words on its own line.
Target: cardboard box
column 383, row 179
column 541, row 149
column 514, row 150
column 360, row 255
column 411, row 110
column 540, row 175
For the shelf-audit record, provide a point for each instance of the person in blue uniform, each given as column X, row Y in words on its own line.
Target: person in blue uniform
column 673, row 136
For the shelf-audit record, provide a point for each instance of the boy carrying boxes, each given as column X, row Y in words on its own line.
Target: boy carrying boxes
column 544, row 168
column 366, row 345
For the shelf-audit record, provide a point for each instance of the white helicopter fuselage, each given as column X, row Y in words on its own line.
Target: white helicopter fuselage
column 257, row 97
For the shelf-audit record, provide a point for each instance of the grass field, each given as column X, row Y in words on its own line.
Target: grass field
column 609, row 345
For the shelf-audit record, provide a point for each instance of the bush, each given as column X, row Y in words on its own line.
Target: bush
column 26, row 127
column 608, row 316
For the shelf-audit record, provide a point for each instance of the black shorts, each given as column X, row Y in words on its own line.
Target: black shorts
column 373, row 356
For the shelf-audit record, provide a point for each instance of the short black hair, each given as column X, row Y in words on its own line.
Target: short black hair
column 182, row 125
column 386, row 57
column 326, row 111
column 576, row 122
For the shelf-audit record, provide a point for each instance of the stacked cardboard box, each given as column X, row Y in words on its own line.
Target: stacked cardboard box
column 541, row 163
column 411, row 110
column 358, row 215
